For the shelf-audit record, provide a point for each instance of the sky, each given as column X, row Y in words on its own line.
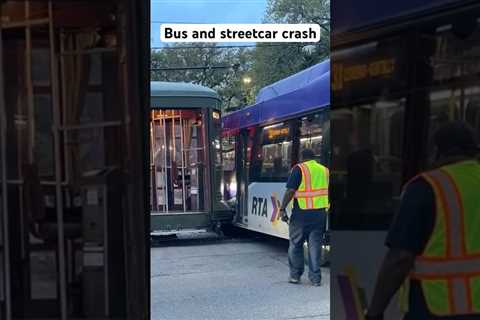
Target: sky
column 203, row 11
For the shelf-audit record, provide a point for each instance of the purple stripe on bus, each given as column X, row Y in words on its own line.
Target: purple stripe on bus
column 346, row 290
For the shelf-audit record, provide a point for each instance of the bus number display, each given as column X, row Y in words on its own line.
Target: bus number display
column 273, row 134
column 345, row 74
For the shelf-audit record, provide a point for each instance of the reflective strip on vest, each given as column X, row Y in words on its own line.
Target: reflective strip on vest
column 453, row 212
column 448, row 274
column 313, row 193
column 308, row 184
column 431, row 269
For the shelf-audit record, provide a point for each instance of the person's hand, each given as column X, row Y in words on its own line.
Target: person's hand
column 283, row 215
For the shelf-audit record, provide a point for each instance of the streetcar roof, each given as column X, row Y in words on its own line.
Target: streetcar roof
column 182, row 95
column 305, row 91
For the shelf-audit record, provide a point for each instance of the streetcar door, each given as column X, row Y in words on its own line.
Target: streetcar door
column 178, row 164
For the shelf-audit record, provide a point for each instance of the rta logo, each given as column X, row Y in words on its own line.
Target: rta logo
column 259, row 207
column 276, row 208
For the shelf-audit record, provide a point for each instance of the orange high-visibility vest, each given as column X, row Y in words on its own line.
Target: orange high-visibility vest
column 313, row 190
column 449, row 267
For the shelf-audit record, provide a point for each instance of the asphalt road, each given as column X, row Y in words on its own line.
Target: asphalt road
column 231, row 279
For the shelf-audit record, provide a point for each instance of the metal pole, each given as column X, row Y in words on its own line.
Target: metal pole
column 165, row 157
column 28, row 82
column 106, row 252
column 64, row 103
column 58, row 167
column 3, row 145
column 162, row 169
column 182, row 154
column 153, row 150
column 174, row 140
column 206, row 164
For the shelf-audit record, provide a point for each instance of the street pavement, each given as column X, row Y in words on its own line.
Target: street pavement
column 208, row 278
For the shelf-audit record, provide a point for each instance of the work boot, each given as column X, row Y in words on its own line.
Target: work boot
column 317, row 283
column 294, row 280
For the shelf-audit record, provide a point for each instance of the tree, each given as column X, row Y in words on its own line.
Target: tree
column 221, row 69
column 272, row 63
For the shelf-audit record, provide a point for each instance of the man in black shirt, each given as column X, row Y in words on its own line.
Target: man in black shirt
column 413, row 226
column 305, row 224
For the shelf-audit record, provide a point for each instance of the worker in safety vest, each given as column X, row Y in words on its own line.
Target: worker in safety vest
column 308, row 186
column 434, row 241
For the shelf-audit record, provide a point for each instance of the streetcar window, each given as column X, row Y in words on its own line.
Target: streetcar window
column 178, row 160
column 42, row 101
column 44, row 152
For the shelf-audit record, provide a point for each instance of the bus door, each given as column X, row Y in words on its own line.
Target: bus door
column 243, row 165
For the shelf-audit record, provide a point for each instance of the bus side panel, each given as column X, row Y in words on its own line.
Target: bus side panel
column 361, row 256
column 264, row 200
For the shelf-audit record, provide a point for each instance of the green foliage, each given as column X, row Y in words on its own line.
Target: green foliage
column 272, row 63
column 226, row 81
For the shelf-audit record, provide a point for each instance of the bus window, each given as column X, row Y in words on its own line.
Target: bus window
column 459, row 99
column 452, row 105
column 366, row 160
column 314, row 131
column 472, row 115
column 274, row 154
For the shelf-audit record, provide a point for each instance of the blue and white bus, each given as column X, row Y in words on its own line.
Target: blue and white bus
column 262, row 142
